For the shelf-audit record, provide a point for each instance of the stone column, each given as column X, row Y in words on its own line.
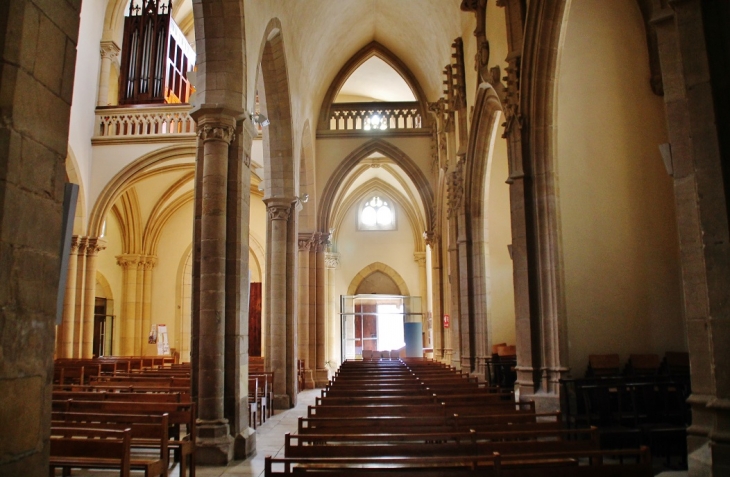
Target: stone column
column 694, row 119
column 95, row 245
column 147, row 264
column 237, row 289
column 320, row 373
column 66, row 330
column 455, row 192
column 78, row 327
column 437, row 315
column 334, row 332
column 214, row 445
column 420, row 258
column 109, row 51
column 305, row 245
column 278, row 210
column 128, row 343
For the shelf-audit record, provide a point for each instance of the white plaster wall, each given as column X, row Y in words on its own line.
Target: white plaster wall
column 107, row 266
column 86, row 83
column 619, row 238
column 502, row 297
column 176, row 237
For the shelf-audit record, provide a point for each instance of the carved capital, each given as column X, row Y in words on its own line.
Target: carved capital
column 420, row 258
column 305, row 242
column 332, row 260
column 94, row 245
column 430, row 237
column 210, row 132
column 75, row 243
column 109, row 49
column 148, row 262
column 128, row 261
column 278, row 211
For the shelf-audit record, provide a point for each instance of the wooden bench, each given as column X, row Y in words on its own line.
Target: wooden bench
column 147, row 431
column 451, row 443
column 90, row 448
column 636, row 463
column 178, row 414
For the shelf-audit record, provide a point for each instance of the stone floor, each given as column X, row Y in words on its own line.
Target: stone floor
column 269, row 441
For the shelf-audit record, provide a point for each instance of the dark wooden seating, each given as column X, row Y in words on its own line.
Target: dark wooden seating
column 90, row 448
column 148, row 431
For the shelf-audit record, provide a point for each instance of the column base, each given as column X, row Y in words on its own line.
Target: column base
column 282, row 401
column 309, row 382
column 321, row 378
column 544, row 402
column 213, row 443
column 244, row 444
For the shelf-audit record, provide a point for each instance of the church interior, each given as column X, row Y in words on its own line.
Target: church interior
column 524, row 192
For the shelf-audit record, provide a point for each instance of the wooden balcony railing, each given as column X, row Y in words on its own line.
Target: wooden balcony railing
column 374, row 116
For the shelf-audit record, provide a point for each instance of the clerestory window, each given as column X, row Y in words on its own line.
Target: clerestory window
column 376, row 214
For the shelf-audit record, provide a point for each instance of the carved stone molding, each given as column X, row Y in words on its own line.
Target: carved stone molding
column 511, row 102
column 332, row 260
column 75, row 243
column 481, row 59
column 431, row 238
column 305, row 242
column 455, row 187
column 420, row 258
column 223, row 133
column 148, row 262
column 323, row 240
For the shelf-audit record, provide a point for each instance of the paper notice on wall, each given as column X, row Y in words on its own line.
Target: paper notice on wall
column 163, row 345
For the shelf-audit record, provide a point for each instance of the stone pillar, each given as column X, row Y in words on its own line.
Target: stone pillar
column 109, row 51
column 420, row 258
column 95, row 245
column 320, row 374
column 455, row 192
column 693, row 126
column 279, row 210
column 66, row 330
column 237, row 289
column 78, row 327
column 291, row 287
column 128, row 343
column 332, row 317
column 305, row 246
column 147, row 264
column 437, row 315
column 214, row 444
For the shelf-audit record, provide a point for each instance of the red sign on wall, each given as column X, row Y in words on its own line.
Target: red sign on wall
column 447, row 321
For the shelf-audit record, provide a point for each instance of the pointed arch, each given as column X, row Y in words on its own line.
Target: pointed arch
column 275, row 103
column 123, row 178
column 378, row 267
column 389, row 150
column 368, row 51
column 372, row 186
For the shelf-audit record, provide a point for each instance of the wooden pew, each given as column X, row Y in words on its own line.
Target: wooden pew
column 636, row 463
column 147, row 431
column 178, row 414
column 90, row 448
column 451, row 443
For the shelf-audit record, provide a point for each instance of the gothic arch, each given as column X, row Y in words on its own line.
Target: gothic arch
column 387, row 149
column 275, row 104
column 368, row 51
column 378, row 267
column 370, row 187
column 129, row 174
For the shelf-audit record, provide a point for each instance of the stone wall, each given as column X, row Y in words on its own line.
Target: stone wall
column 38, row 54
